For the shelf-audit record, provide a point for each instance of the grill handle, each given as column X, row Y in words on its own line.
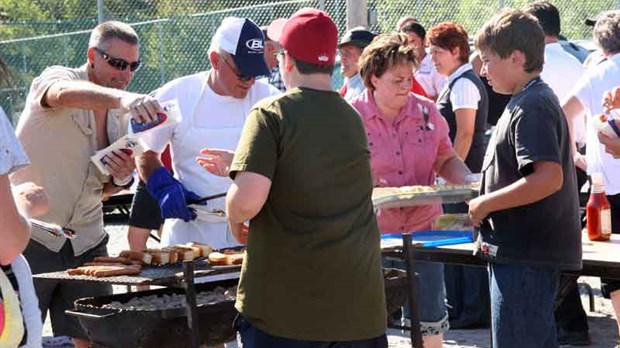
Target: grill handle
column 89, row 315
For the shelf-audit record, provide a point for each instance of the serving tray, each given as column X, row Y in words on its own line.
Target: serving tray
column 406, row 196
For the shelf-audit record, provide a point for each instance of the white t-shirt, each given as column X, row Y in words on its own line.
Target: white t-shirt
column 561, row 72
column 428, row 77
column 589, row 90
column 13, row 158
column 464, row 93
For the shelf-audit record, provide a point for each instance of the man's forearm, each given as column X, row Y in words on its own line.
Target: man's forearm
column 147, row 163
column 82, row 95
column 572, row 108
column 137, row 238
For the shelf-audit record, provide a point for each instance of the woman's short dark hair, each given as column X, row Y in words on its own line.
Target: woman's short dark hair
column 414, row 27
column 383, row 53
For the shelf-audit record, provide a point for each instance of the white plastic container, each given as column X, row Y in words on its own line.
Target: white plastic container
column 130, row 144
column 170, row 116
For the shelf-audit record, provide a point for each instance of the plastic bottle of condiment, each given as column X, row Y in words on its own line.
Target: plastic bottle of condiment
column 598, row 211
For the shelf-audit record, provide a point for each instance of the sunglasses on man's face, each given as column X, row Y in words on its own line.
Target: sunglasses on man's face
column 240, row 76
column 118, row 63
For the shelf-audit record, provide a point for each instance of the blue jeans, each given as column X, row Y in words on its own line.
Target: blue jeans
column 432, row 310
column 467, row 292
column 522, row 304
column 252, row 337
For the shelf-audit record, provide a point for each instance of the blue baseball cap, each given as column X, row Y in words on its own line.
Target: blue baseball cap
column 244, row 40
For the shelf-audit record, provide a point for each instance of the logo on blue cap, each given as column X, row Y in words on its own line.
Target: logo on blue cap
column 249, row 53
column 255, row 45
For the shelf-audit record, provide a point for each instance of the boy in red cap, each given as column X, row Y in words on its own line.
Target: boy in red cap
column 312, row 273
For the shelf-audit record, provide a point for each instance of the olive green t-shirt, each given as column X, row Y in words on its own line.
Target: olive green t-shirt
column 312, row 269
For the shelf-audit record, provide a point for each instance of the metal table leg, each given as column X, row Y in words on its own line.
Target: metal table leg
column 416, row 335
column 190, row 297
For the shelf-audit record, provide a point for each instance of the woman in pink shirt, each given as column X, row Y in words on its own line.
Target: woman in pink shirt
column 409, row 145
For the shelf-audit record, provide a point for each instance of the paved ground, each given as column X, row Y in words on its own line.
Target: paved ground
column 603, row 329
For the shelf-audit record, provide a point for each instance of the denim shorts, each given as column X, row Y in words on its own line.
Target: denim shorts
column 249, row 336
column 432, row 310
column 522, row 305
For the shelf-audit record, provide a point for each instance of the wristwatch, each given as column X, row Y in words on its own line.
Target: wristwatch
column 124, row 183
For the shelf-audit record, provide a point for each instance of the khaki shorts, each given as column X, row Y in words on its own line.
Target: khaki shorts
column 57, row 296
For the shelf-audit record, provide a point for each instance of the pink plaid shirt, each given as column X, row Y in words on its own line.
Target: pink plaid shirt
column 404, row 153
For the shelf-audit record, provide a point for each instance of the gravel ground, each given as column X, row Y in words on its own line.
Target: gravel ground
column 603, row 329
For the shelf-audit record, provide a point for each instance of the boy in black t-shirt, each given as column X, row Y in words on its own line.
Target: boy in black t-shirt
column 528, row 211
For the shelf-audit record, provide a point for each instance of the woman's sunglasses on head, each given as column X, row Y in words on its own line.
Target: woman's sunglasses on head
column 118, row 63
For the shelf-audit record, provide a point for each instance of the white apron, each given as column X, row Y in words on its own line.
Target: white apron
column 190, row 138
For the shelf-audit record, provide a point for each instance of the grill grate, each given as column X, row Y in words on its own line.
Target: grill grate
column 150, row 275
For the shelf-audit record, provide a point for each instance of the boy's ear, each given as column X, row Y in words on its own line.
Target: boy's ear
column 288, row 64
column 518, row 58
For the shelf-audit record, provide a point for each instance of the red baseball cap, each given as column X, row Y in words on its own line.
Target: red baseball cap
column 309, row 35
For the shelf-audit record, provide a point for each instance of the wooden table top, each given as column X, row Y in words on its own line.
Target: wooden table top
column 599, row 258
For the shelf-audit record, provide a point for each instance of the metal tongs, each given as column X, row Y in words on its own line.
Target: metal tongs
column 206, row 198
column 216, row 212
column 54, row 229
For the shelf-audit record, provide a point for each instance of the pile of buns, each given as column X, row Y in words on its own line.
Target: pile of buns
column 226, row 257
column 131, row 262
column 170, row 254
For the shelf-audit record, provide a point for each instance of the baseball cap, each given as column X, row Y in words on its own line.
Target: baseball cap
column 359, row 36
column 244, row 41
column 591, row 21
column 309, row 35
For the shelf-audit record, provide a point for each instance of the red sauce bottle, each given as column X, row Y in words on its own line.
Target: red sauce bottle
column 598, row 211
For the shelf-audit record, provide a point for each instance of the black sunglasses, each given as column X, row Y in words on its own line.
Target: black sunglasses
column 118, row 63
column 240, row 76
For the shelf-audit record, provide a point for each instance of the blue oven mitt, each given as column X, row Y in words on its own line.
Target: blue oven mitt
column 171, row 195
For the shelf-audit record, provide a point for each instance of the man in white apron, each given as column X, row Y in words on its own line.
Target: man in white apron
column 214, row 105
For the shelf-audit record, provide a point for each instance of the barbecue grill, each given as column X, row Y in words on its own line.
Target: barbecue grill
column 112, row 328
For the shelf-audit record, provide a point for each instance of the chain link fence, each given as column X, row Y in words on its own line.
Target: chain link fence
column 176, row 34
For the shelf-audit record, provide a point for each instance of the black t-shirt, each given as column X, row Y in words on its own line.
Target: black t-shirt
column 545, row 233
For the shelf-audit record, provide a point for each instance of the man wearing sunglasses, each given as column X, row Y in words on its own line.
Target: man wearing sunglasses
column 214, row 105
column 71, row 113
